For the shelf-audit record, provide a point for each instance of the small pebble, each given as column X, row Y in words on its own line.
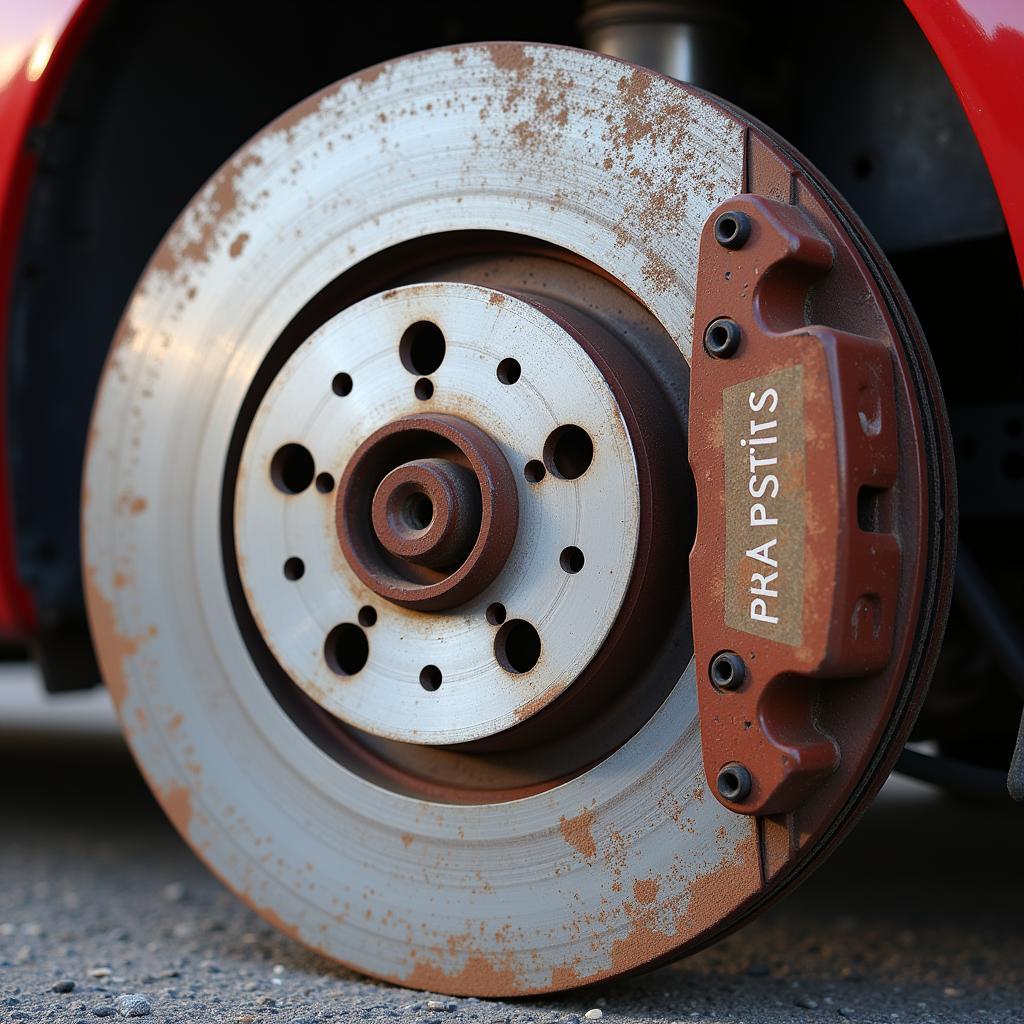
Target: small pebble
column 175, row 892
column 245, row 1018
column 441, row 1004
column 952, row 992
column 63, row 986
column 103, row 1010
column 594, row 1014
column 132, row 1004
column 806, row 1003
column 100, row 972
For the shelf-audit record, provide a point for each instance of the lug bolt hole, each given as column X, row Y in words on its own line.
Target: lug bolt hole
column 294, row 569
column 367, row 616
column 422, row 348
column 495, row 614
column 424, row 389
column 292, row 468
column 517, row 646
column 324, row 483
column 509, row 371
column 568, row 452
column 341, row 385
column 534, row 471
column 346, row 649
column 430, row 678
column 571, row 560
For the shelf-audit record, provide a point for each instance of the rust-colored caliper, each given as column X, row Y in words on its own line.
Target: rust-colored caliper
column 795, row 442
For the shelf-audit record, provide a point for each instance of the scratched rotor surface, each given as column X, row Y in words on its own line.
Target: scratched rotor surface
column 625, row 863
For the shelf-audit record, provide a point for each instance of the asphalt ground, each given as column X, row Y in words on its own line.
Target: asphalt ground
column 918, row 917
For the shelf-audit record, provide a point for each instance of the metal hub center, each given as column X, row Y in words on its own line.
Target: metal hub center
column 437, row 546
column 435, row 529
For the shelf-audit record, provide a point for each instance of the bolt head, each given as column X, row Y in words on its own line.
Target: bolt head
column 734, row 782
column 722, row 338
column 727, row 671
column 732, row 229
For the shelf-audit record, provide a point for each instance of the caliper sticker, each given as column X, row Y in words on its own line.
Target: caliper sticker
column 765, row 470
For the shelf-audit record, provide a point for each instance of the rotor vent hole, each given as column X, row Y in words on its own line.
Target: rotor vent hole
column 422, row 348
column 341, row 385
column 571, row 560
column 324, row 483
column 346, row 649
column 509, row 371
column 367, row 616
column 294, row 568
column 292, row 468
column 495, row 614
column 534, row 471
column 568, row 452
column 517, row 646
column 423, row 389
column 418, row 511
column 430, row 678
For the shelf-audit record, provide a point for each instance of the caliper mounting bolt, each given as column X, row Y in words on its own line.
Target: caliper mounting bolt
column 722, row 338
column 727, row 671
column 734, row 782
column 732, row 229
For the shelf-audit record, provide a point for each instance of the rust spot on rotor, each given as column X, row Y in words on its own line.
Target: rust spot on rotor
column 578, row 832
column 238, row 245
column 480, row 975
column 645, row 890
column 115, row 645
column 510, row 57
column 176, row 801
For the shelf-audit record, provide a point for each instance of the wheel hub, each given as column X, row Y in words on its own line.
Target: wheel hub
column 472, row 534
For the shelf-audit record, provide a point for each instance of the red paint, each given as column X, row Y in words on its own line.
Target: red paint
column 980, row 44
column 38, row 43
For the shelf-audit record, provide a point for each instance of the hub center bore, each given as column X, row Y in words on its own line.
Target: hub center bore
column 427, row 511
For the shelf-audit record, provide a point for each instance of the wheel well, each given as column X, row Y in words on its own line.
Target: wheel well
column 165, row 91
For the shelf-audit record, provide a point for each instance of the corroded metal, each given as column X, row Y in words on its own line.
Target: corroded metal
column 470, row 525
column 627, row 861
column 794, row 439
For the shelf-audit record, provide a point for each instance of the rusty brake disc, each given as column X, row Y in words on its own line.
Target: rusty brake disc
column 388, row 520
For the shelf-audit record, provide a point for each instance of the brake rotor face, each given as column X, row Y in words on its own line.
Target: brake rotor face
column 569, row 834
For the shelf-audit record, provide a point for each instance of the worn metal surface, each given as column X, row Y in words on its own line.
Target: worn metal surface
column 427, row 511
column 620, row 866
column 597, row 513
column 794, row 442
column 603, row 874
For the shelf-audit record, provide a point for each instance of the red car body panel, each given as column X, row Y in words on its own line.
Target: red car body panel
column 979, row 42
column 38, row 45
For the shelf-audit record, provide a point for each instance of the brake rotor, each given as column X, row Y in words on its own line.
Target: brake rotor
column 388, row 519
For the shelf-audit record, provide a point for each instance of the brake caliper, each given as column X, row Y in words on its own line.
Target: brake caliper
column 795, row 572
